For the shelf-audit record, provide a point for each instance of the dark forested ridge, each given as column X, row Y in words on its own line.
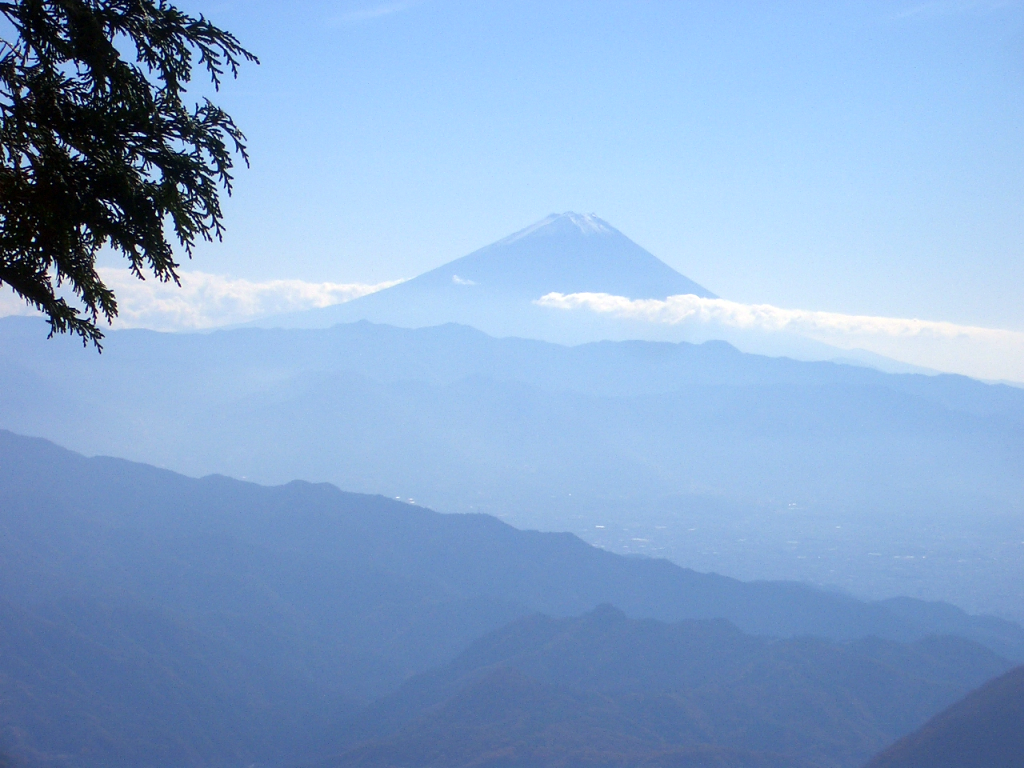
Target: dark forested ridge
column 153, row 619
column 983, row 730
column 606, row 690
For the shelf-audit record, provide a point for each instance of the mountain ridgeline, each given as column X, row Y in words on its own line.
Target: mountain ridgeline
column 494, row 288
column 497, row 288
column 152, row 619
column 757, row 467
column 982, row 730
column 155, row 620
column 602, row 689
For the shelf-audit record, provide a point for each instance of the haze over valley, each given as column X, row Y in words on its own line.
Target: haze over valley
column 871, row 517
column 154, row 619
column 835, row 474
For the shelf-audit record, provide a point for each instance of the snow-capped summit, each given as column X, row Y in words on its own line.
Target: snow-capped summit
column 587, row 223
column 495, row 287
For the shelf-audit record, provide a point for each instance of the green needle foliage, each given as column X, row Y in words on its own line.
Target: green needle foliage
column 99, row 148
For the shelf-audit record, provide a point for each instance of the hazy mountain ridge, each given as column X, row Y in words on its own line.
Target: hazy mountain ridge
column 547, row 692
column 301, row 597
column 49, row 491
column 696, row 450
column 449, row 353
column 982, row 730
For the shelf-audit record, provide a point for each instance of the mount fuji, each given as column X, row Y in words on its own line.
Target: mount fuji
column 494, row 288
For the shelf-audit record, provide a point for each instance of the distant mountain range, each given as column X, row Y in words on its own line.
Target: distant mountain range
column 984, row 730
column 753, row 466
column 155, row 620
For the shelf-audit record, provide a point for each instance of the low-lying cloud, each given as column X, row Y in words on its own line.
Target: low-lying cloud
column 205, row 300
column 982, row 352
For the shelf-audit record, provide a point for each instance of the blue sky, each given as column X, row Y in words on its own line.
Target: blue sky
column 863, row 158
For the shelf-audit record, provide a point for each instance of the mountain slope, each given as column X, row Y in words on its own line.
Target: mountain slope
column 565, row 253
column 141, row 519
column 756, row 467
column 494, row 288
column 137, row 604
column 604, row 689
column 983, row 730
column 101, row 680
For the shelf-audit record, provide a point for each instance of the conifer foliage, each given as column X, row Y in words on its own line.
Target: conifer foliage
column 100, row 147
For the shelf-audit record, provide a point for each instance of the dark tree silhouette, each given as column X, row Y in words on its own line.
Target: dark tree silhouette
column 98, row 147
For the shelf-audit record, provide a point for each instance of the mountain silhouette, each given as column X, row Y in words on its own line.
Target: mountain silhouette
column 649, row 440
column 983, row 730
column 493, row 288
column 151, row 619
column 603, row 689
column 566, row 253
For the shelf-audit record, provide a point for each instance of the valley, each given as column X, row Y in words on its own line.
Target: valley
column 154, row 619
column 760, row 468
column 341, row 427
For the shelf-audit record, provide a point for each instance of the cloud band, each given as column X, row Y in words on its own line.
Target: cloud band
column 983, row 352
column 205, row 300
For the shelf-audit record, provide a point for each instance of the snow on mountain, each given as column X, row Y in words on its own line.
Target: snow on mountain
column 495, row 287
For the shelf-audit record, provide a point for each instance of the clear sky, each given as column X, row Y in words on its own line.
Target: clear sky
column 863, row 157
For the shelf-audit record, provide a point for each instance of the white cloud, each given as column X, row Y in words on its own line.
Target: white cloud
column 12, row 304
column 206, row 301
column 981, row 352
